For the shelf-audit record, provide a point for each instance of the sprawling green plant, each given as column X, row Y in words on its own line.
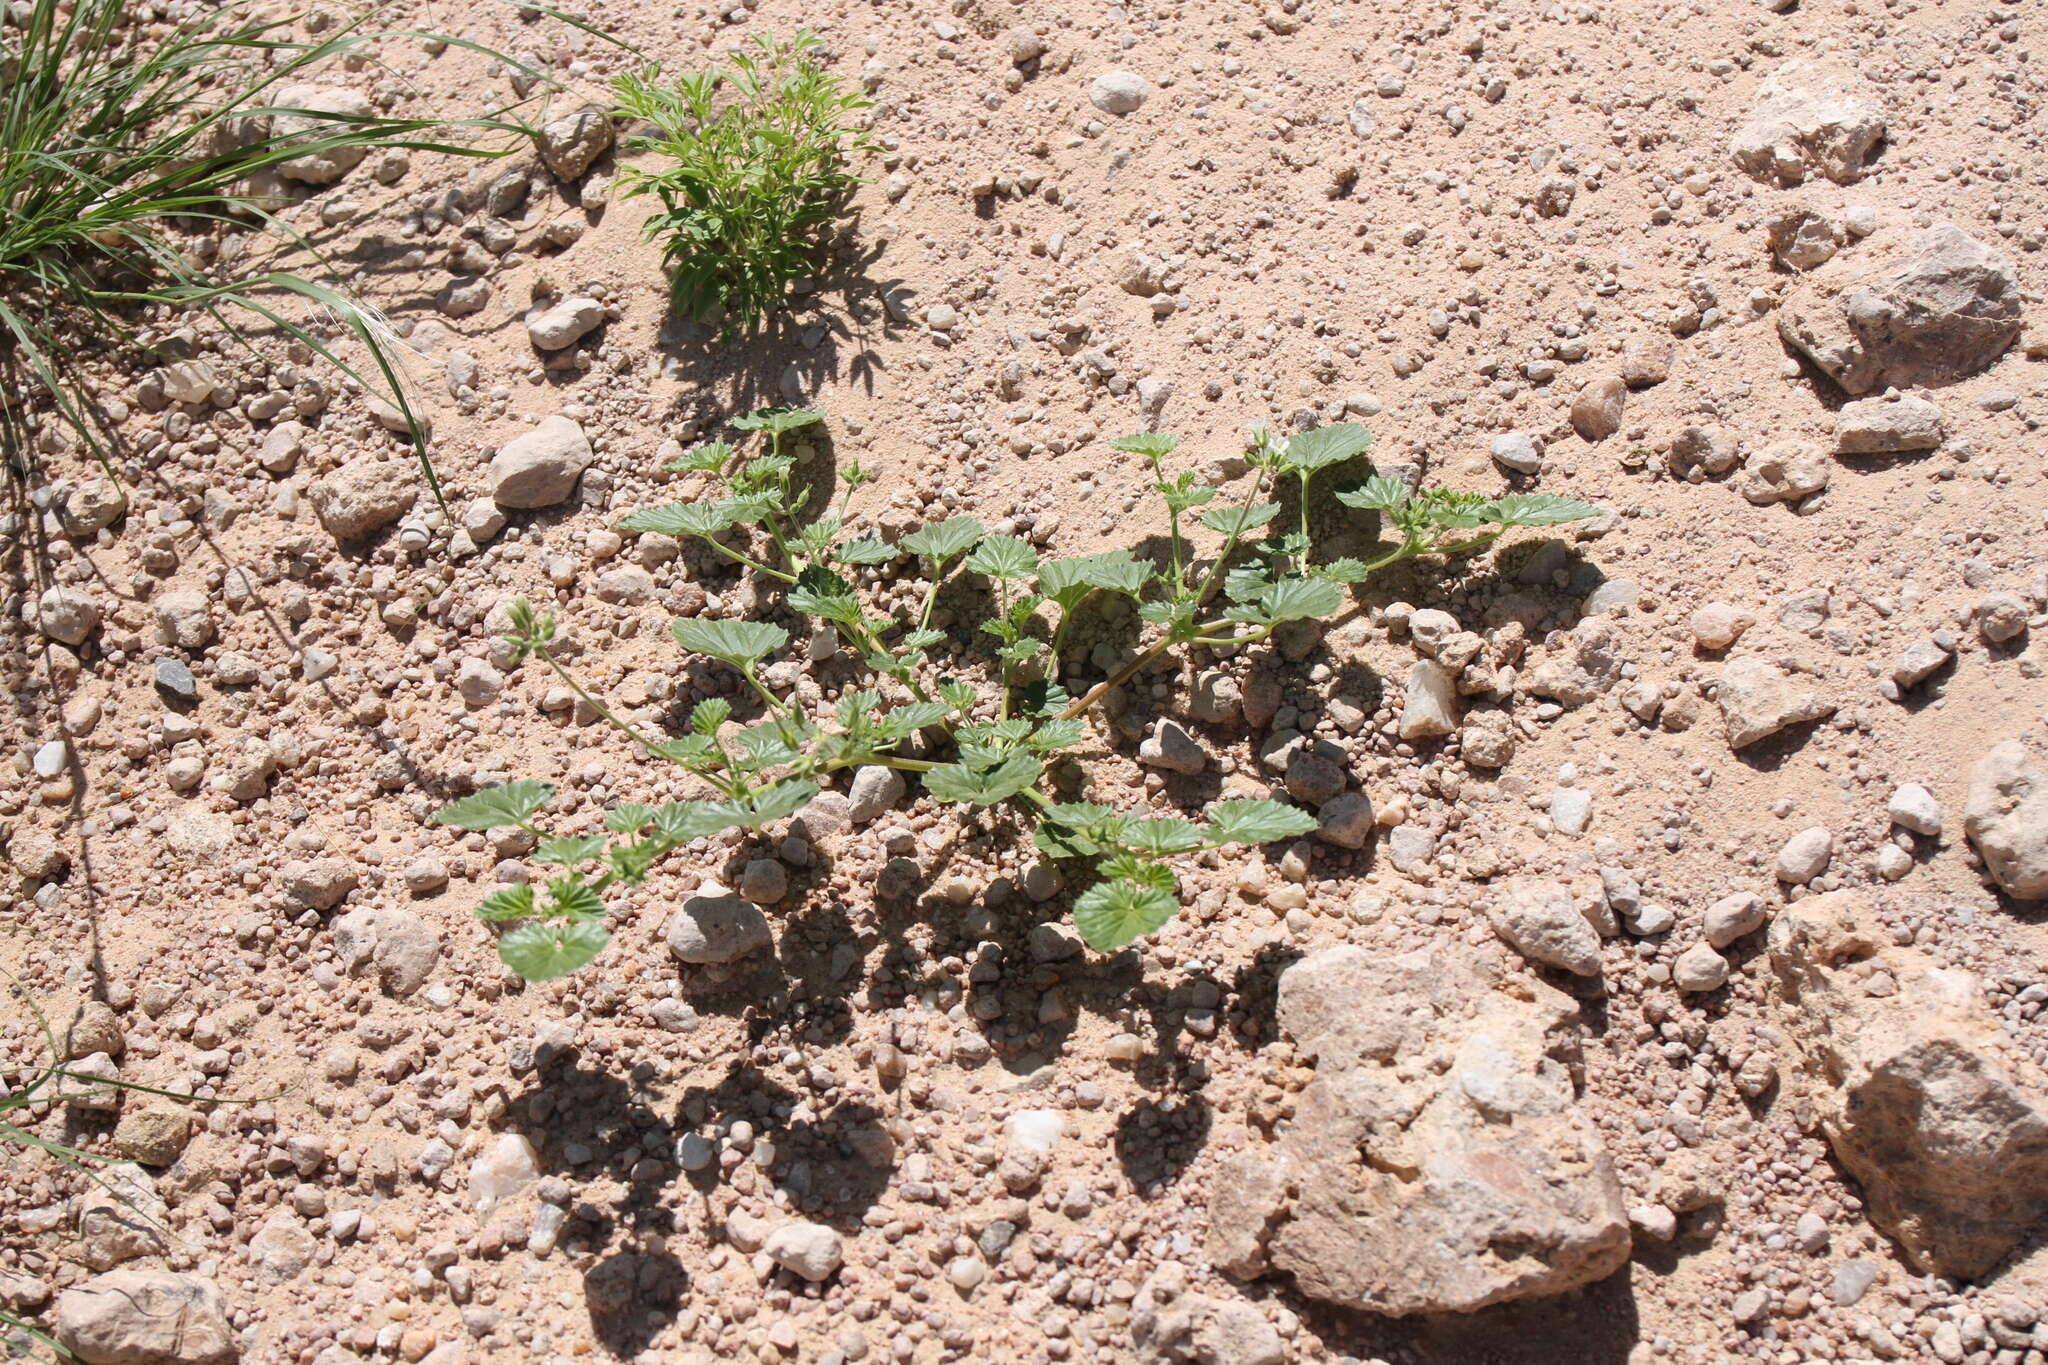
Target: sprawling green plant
column 993, row 732
column 753, row 172
column 117, row 144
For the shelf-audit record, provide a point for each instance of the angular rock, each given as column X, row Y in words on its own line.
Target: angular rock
column 506, row 1167
column 1518, row 452
column 717, row 928
column 282, row 1248
column 403, row 946
column 811, row 1250
column 1346, row 820
column 174, row 679
column 365, row 495
column 1571, row 810
column 1439, row 1161
column 1887, row 426
column 330, row 164
column 875, row 790
column 1536, row 917
column 1646, row 361
column 121, row 1217
column 317, row 883
column 2006, row 817
column 824, row 816
column 1172, row 748
column 67, row 615
column 36, row 854
column 1315, row 772
column 570, row 143
column 1802, row 239
column 1717, row 625
column 184, row 619
column 1918, row 1091
column 1918, row 662
column 1430, row 708
column 1808, row 122
column 1758, row 699
column 145, row 1317
column 1596, row 412
column 1487, row 741
column 153, row 1136
column 539, row 468
column 89, row 508
column 1784, row 471
column 1171, row 1327
column 1943, row 313
column 563, row 324
column 1913, row 807
column 1697, row 452
column 1580, row 668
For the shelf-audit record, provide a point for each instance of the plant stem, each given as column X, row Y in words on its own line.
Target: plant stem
column 931, row 594
column 1003, row 614
column 1209, row 580
column 547, row 657
column 1116, row 679
column 747, row 560
column 774, row 703
column 1302, row 479
column 1059, row 632
column 869, row 645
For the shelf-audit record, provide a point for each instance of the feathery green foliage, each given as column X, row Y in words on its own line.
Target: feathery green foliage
column 989, row 744
column 753, row 172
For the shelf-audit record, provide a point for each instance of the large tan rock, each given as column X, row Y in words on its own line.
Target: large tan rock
column 1947, row 311
column 2006, row 817
column 1941, row 1121
column 365, row 495
column 1758, row 699
column 1810, row 121
column 342, row 110
column 145, row 1317
column 1170, row 1326
column 1439, row 1161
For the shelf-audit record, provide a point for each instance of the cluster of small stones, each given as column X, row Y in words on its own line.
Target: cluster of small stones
column 915, row 1120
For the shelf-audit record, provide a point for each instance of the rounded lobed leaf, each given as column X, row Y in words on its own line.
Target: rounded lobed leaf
column 548, row 949
column 1255, row 821
column 1325, row 446
column 1112, row 914
column 514, row 803
column 739, row 643
column 943, row 539
column 1005, row 557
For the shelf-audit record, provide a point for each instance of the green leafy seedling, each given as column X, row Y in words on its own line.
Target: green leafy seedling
column 752, row 171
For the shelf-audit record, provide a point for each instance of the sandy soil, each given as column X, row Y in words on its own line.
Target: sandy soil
column 1438, row 221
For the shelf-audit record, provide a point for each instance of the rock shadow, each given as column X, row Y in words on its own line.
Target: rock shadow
column 633, row 1298
column 806, row 342
column 1597, row 1325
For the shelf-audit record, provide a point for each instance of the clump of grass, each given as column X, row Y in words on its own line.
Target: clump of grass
column 754, row 171
column 123, row 153
column 29, row 1093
